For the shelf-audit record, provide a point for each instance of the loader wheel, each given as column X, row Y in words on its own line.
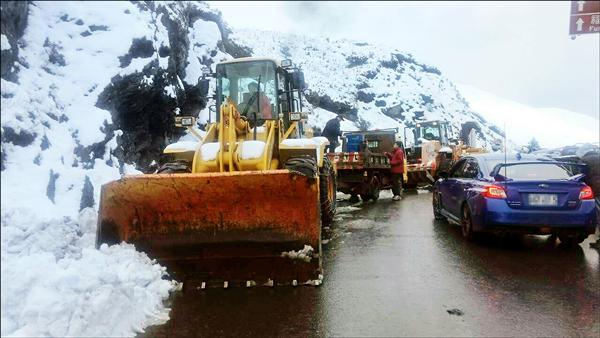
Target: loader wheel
column 304, row 165
column 327, row 192
column 179, row 166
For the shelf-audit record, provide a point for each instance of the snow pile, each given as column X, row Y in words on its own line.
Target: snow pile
column 304, row 255
column 182, row 146
column 209, row 151
column 317, row 142
column 56, row 154
column 252, row 149
column 376, row 86
column 54, row 283
column 551, row 127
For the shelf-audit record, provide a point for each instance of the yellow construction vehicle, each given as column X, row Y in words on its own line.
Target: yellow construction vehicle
column 243, row 205
column 429, row 150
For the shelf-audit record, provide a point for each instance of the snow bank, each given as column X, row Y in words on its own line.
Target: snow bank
column 54, row 283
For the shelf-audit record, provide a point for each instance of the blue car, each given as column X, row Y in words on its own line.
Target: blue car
column 522, row 194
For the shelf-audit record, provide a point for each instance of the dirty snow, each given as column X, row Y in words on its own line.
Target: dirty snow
column 304, row 255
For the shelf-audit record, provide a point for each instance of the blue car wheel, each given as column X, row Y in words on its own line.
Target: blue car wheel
column 437, row 206
column 467, row 224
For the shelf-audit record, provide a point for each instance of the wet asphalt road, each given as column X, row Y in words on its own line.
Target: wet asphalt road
column 391, row 270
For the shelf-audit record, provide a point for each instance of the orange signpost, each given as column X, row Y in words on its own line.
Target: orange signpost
column 585, row 17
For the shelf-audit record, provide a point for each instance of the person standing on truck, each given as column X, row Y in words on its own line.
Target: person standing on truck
column 332, row 132
column 397, row 162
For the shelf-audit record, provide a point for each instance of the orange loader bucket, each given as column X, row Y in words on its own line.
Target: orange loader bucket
column 212, row 228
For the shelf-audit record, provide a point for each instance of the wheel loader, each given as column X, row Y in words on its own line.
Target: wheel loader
column 432, row 151
column 245, row 203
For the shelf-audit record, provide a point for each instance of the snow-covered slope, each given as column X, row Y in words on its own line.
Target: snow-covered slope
column 375, row 86
column 551, row 127
column 59, row 147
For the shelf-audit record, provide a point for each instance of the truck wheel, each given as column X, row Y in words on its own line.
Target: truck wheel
column 327, row 192
column 374, row 189
column 179, row 166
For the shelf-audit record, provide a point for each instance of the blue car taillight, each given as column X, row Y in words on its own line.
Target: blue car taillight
column 494, row 191
column 586, row 193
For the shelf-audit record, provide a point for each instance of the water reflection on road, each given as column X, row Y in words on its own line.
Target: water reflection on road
column 391, row 270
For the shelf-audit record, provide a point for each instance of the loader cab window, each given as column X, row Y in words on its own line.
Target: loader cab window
column 428, row 132
column 252, row 85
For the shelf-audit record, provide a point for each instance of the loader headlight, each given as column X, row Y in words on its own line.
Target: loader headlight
column 185, row 121
column 295, row 116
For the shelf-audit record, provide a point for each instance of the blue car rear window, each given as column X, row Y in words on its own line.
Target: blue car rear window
column 538, row 171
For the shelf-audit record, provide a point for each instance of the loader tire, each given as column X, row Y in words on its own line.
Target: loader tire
column 304, row 165
column 327, row 192
column 179, row 166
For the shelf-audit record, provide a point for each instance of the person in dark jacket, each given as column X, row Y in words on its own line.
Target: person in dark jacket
column 332, row 132
column 397, row 161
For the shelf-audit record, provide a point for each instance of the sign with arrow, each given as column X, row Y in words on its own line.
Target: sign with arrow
column 585, row 17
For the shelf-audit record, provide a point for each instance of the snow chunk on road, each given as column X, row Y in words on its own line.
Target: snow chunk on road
column 346, row 209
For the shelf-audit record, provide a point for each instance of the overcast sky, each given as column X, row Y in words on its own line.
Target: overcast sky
column 517, row 50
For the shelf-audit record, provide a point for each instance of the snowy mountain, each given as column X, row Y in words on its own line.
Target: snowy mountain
column 373, row 86
column 554, row 127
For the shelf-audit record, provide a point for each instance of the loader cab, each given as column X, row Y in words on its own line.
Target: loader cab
column 263, row 89
column 424, row 132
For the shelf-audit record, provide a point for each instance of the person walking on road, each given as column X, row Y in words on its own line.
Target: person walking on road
column 397, row 161
column 332, row 132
